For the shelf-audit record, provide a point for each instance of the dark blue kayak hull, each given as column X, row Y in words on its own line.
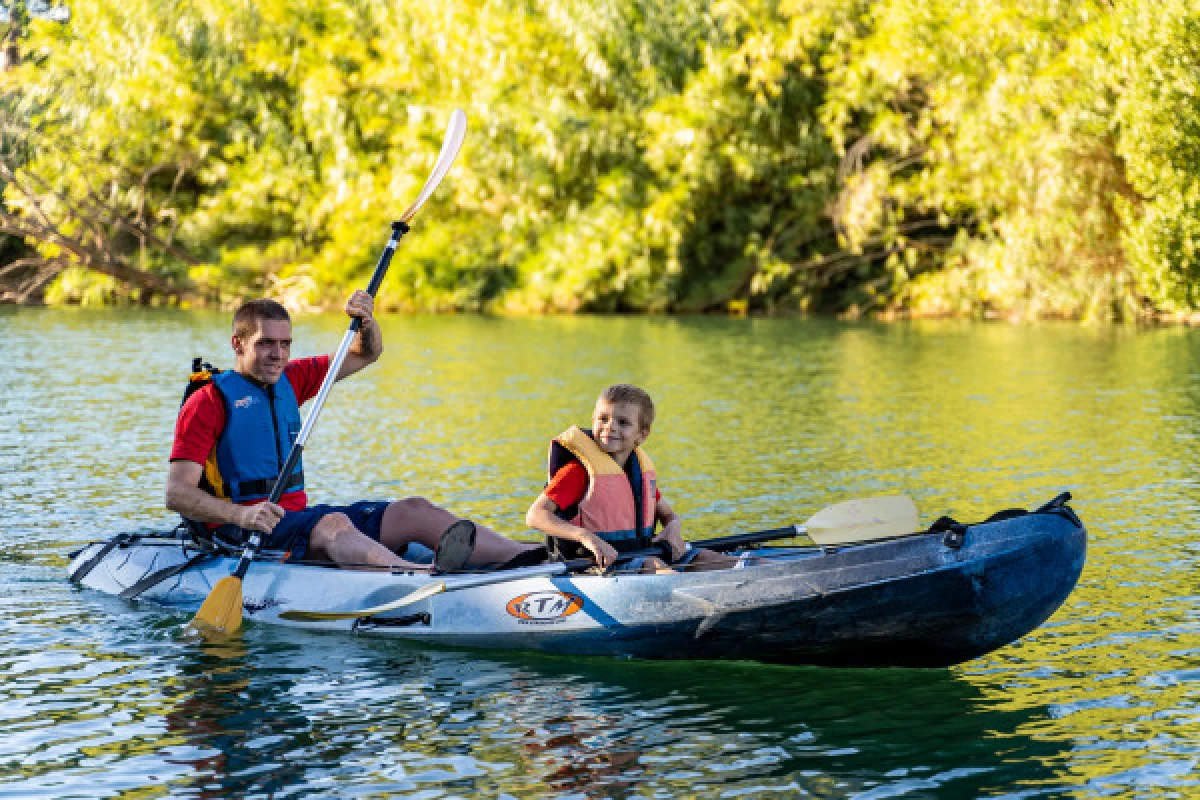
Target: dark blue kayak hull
column 911, row 602
column 924, row 617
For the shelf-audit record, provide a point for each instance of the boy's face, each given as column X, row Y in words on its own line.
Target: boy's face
column 617, row 428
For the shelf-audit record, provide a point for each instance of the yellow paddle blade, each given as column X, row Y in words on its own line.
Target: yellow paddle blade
column 863, row 520
column 412, row 597
column 221, row 613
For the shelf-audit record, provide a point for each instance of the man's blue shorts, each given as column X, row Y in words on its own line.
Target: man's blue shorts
column 291, row 534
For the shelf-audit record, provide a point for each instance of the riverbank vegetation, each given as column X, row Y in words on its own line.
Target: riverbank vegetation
column 1024, row 158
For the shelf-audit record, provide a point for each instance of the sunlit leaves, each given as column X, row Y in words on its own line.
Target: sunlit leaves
column 1015, row 157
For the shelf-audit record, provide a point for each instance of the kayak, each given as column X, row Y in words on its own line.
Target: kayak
column 928, row 599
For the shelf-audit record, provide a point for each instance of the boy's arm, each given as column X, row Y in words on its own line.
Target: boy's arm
column 542, row 517
column 672, row 531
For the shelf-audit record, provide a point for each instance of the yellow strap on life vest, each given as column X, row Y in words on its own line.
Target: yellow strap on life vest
column 213, row 475
column 595, row 460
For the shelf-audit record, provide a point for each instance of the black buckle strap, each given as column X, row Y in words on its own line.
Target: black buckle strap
column 956, row 532
column 263, row 486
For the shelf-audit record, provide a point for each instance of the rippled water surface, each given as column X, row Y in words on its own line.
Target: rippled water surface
column 761, row 423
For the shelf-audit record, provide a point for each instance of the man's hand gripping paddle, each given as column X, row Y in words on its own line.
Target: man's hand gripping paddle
column 221, row 612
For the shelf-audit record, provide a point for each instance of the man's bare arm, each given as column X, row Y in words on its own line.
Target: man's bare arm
column 185, row 496
column 368, row 344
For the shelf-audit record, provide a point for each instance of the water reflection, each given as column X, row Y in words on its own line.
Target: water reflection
column 802, row 729
column 215, row 723
column 281, row 709
column 298, row 710
column 762, row 422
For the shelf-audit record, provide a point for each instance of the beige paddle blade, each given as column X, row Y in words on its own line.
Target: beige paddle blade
column 455, row 132
column 863, row 520
column 221, row 613
column 315, row 616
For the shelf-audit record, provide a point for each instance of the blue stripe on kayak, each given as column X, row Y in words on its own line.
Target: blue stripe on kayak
column 590, row 608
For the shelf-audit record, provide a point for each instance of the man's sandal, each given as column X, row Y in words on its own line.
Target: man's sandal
column 455, row 547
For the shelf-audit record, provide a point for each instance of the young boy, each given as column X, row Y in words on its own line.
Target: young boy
column 603, row 498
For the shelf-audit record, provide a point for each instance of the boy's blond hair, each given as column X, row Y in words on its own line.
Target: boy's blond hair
column 633, row 395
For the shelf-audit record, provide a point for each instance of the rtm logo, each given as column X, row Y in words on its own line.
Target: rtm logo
column 544, row 606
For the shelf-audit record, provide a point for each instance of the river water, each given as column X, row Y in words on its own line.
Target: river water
column 761, row 423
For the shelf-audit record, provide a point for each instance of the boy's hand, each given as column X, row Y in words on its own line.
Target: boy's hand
column 604, row 552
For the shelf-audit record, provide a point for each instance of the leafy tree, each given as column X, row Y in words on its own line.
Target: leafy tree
column 984, row 161
column 999, row 157
column 1158, row 114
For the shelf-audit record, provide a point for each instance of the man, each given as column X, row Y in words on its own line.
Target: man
column 234, row 434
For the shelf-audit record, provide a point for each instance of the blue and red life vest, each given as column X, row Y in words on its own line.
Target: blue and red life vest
column 619, row 504
column 261, row 424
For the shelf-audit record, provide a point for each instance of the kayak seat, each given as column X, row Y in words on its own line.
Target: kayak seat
column 526, row 558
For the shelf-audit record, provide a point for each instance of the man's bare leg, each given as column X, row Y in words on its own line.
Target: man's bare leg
column 335, row 537
column 415, row 519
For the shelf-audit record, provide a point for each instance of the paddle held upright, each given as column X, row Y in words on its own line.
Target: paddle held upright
column 221, row 612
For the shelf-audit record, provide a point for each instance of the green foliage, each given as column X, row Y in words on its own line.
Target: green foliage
column 1159, row 115
column 982, row 140
column 999, row 157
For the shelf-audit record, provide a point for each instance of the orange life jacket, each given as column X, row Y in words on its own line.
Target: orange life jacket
column 618, row 506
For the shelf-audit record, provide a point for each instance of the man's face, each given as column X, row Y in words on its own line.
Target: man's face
column 617, row 428
column 265, row 353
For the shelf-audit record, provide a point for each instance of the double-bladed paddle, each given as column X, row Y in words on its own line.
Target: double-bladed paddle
column 221, row 612
column 862, row 520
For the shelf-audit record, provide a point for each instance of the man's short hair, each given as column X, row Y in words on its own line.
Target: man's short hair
column 246, row 318
column 628, row 393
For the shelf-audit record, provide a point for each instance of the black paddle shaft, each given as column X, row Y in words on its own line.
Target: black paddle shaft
column 721, row 544
column 381, row 268
column 399, row 228
column 726, row 543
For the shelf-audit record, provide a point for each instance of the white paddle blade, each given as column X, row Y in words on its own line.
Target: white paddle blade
column 863, row 520
column 455, row 131
column 412, row 597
